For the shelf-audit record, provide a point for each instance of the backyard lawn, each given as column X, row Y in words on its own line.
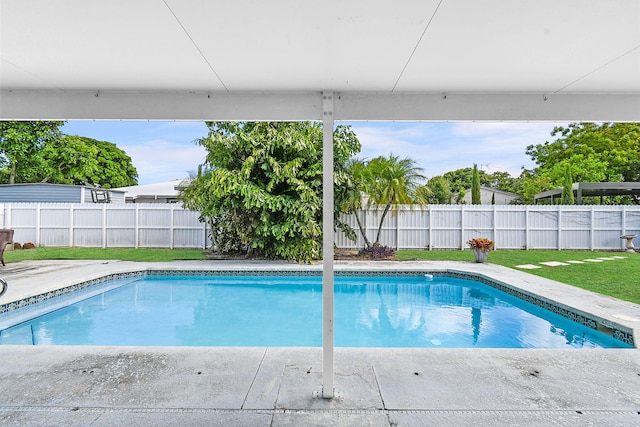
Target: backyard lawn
column 123, row 254
column 619, row 278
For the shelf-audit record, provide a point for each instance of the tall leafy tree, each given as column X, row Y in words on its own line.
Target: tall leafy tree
column 460, row 180
column 612, row 148
column 68, row 160
column 82, row 160
column 21, row 144
column 263, row 187
column 593, row 153
column 439, row 191
column 38, row 152
column 114, row 168
column 475, row 186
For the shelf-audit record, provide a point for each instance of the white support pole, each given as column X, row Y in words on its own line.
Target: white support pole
column 327, row 245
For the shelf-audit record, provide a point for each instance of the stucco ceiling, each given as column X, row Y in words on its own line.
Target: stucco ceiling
column 495, row 56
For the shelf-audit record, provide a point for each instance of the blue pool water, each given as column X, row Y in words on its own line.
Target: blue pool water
column 378, row 311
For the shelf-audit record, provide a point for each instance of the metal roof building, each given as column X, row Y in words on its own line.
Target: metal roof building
column 58, row 193
column 587, row 189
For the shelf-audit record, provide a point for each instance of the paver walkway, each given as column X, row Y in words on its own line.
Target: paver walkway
column 561, row 263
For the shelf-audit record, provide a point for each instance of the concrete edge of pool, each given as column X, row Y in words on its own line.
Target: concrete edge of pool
column 99, row 386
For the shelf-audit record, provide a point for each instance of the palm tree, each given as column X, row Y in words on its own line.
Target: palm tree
column 360, row 179
column 395, row 181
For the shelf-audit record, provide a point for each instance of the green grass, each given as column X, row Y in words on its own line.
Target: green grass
column 123, row 254
column 618, row 278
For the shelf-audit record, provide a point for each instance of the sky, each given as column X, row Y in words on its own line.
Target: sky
column 165, row 151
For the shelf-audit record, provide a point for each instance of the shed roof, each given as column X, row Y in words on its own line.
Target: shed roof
column 585, row 189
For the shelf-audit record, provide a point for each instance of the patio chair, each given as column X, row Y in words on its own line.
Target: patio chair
column 6, row 237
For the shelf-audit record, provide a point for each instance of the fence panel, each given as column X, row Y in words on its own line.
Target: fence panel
column 432, row 227
column 446, row 227
column 121, row 227
column 87, row 226
column 510, row 227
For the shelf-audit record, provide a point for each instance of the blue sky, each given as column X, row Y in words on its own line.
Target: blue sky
column 164, row 151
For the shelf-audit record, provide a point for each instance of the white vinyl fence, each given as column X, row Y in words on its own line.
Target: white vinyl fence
column 509, row 226
column 105, row 225
column 156, row 225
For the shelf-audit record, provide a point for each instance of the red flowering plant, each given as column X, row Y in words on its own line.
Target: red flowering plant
column 481, row 243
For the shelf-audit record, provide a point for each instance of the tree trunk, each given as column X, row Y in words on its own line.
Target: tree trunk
column 12, row 175
column 362, row 232
column 384, row 214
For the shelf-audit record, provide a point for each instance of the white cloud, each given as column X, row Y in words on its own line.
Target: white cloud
column 443, row 147
column 160, row 160
column 163, row 151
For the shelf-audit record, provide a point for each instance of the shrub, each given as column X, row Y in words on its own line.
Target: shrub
column 481, row 243
column 378, row 252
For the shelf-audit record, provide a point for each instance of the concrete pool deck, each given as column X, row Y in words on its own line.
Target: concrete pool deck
column 59, row 385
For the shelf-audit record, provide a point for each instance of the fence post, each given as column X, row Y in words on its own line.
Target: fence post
column 7, row 218
column 104, row 225
column 2, row 215
column 38, row 224
column 526, row 228
column 430, row 231
column 71, row 225
column 591, row 230
column 136, row 243
column 462, row 208
column 559, row 208
column 172, row 241
column 495, row 225
column 398, row 228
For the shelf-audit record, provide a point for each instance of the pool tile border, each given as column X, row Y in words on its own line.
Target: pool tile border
column 617, row 331
column 14, row 305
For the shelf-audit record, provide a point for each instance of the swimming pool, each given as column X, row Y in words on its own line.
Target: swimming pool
column 267, row 310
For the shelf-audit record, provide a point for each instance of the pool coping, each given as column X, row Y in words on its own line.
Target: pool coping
column 617, row 318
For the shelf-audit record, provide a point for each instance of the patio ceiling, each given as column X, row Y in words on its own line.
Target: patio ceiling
column 406, row 60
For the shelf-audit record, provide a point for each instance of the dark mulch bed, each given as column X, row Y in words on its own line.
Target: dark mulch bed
column 339, row 254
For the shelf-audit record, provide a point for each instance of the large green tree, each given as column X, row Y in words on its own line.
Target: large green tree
column 21, row 149
column 38, row 152
column 262, row 186
column 439, row 191
column 80, row 160
column 590, row 152
column 460, row 181
column 113, row 167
